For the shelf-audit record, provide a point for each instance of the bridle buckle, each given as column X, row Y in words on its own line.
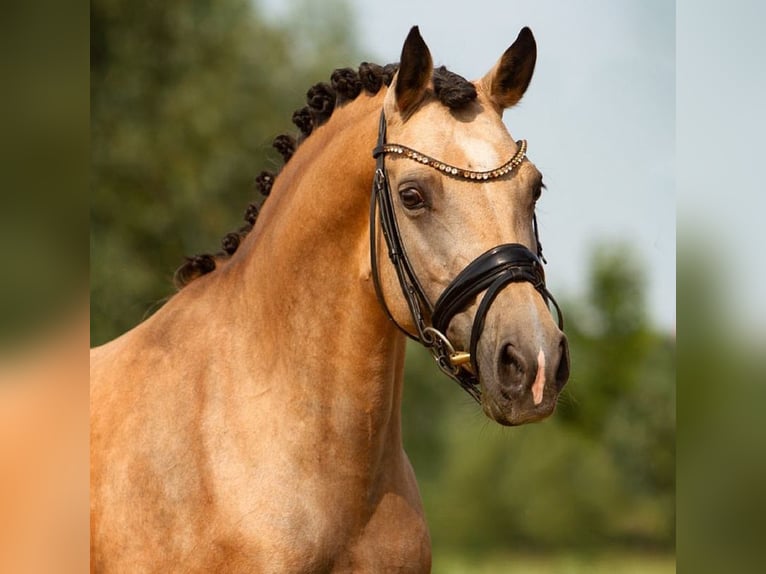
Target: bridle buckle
column 460, row 359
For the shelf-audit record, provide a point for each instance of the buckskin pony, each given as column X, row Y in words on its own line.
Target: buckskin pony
column 253, row 423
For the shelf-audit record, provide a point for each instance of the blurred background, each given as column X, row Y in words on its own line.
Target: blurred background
column 186, row 98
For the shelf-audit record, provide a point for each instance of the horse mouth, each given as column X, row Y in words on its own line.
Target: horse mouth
column 515, row 413
column 522, row 388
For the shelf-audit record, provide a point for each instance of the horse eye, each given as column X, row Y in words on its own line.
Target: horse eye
column 412, row 198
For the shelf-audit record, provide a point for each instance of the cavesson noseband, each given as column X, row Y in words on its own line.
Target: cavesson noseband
column 490, row 272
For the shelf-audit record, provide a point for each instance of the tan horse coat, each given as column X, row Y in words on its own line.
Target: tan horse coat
column 224, row 435
column 253, row 423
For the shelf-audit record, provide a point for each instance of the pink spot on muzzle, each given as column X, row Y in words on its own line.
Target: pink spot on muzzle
column 539, row 385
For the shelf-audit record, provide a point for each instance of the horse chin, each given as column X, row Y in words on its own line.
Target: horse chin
column 516, row 404
column 514, row 413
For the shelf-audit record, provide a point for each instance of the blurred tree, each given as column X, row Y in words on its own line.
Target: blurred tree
column 43, row 110
column 624, row 392
column 721, row 474
column 611, row 335
column 186, row 98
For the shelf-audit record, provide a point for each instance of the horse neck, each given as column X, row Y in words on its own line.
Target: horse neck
column 319, row 334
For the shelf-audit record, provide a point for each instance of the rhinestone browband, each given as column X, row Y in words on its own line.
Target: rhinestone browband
column 468, row 174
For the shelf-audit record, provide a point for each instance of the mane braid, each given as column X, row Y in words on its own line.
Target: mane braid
column 345, row 85
column 302, row 119
column 285, row 145
column 321, row 100
column 452, row 90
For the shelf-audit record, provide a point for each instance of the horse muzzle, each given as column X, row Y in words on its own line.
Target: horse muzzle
column 521, row 377
column 490, row 278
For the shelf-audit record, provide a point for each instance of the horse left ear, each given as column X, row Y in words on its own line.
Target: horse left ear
column 506, row 83
column 414, row 76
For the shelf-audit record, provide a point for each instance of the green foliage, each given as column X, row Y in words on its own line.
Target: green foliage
column 622, row 563
column 722, row 471
column 43, row 111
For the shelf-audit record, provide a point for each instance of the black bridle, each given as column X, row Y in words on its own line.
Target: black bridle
column 490, row 272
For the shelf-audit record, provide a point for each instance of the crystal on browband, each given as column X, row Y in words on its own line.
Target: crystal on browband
column 468, row 174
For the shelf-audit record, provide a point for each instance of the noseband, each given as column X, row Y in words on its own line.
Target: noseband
column 491, row 272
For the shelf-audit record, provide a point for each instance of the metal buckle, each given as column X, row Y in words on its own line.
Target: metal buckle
column 456, row 359
column 380, row 179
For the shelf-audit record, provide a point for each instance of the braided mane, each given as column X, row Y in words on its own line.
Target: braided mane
column 345, row 85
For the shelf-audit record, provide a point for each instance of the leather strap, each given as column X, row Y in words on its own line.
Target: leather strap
column 512, row 259
column 412, row 290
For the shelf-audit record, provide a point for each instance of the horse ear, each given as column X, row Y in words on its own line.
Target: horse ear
column 415, row 71
column 508, row 80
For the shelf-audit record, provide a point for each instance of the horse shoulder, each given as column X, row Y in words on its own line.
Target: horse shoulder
column 146, row 452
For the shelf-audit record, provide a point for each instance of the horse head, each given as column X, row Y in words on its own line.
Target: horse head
column 454, row 196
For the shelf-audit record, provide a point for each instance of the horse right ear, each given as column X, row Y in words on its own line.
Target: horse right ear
column 414, row 75
column 506, row 83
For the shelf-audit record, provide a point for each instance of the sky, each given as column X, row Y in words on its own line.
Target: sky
column 599, row 117
column 721, row 122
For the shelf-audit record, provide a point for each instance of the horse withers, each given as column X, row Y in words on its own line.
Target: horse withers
column 253, row 423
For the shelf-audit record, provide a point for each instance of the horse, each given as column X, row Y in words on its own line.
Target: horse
column 253, row 424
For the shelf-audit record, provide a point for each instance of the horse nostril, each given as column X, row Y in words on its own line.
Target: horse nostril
column 506, row 356
column 511, row 362
column 562, row 371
